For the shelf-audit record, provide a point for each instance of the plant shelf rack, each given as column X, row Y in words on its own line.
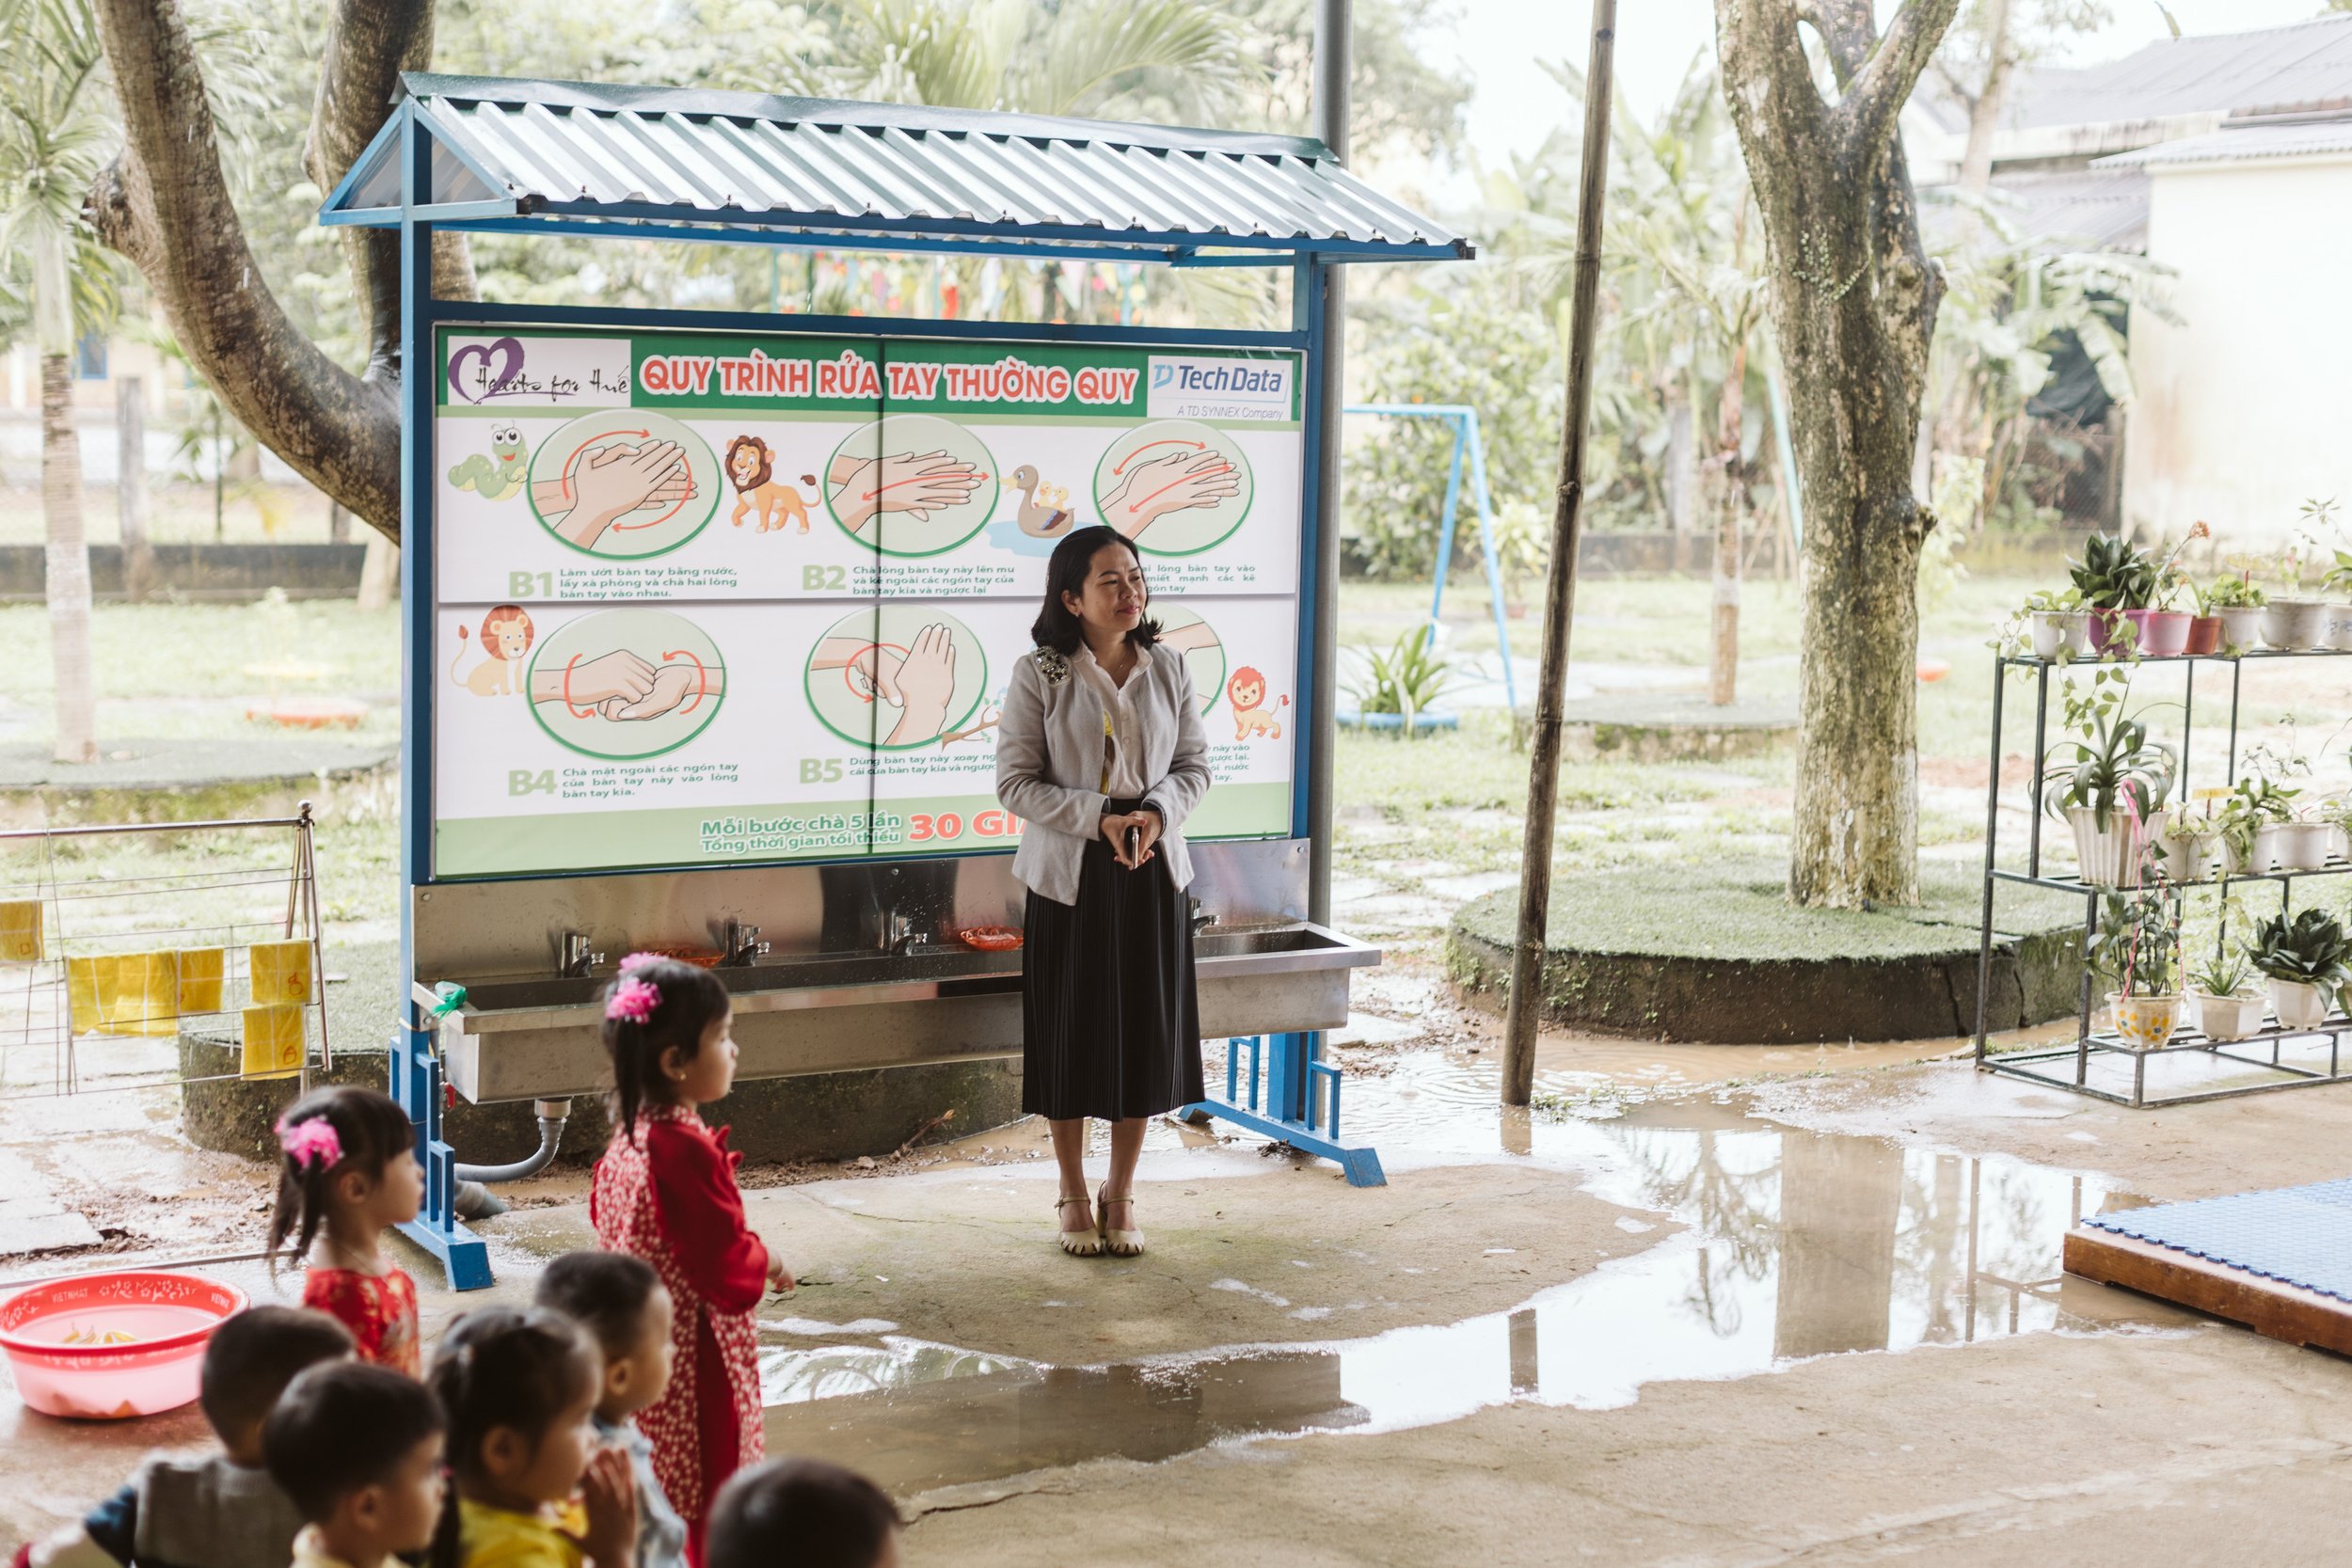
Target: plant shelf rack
column 2273, row 1057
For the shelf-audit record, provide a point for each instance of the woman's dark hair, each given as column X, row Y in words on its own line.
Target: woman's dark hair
column 372, row 1130
column 803, row 1512
column 1066, row 573
column 692, row 1000
column 342, row 1427
column 605, row 1292
column 504, row 1367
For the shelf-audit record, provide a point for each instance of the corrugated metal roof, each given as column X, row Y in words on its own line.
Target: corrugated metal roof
column 2093, row 210
column 688, row 157
column 2238, row 143
column 2304, row 65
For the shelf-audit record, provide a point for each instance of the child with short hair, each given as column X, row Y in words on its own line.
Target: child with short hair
column 665, row 1192
column 802, row 1514
column 623, row 1303
column 348, row 1174
column 359, row 1449
column 518, row 1390
column 221, row 1511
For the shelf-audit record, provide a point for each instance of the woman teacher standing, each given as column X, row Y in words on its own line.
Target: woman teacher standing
column 1100, row 752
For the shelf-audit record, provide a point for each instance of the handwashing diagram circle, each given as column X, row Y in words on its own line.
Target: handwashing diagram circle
column 1174, row 486
column 911, row 484
column 624, row 483
column 897, row 677
column 1205, row 653
column 626, row 684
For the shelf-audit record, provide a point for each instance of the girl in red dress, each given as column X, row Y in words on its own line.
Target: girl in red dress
column 665, row 1192
column 348, row 1173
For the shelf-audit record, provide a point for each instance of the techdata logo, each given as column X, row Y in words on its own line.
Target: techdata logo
column 1203, row 388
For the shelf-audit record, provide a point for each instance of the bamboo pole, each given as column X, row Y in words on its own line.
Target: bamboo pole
column 1567, row 526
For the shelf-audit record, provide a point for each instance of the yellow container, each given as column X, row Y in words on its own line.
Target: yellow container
column 82, row 991
column 20, row 932
column 273, row 1041
column 143, row 998
column 201, row 971
column 280, row 970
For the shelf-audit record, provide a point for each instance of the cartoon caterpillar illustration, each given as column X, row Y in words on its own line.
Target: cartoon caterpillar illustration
column 506, row 634
column 751, row 469
column 1247, row 692
column 501, row 474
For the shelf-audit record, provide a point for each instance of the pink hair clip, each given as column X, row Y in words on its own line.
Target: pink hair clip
column 634, row 959
column 311, row 1145
column 633, row 1000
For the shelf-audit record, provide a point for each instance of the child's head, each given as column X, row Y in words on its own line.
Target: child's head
column 623, row 1303
column 803, row 1512
column 344, row 1152
column 665, row 1027
column 518, row 1389
column 357, row 1448
column 249, row 1359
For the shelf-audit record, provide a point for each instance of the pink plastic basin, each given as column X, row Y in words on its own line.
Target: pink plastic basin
column 167, row 1316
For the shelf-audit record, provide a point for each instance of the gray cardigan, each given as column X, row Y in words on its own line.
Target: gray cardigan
column 1049, row 764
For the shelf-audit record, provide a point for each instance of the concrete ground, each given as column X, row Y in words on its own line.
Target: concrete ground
column 1812, row 1317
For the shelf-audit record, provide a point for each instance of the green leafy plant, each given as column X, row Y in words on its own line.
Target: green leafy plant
column 2137, row 948
column 2112, row 756
column 2339, row 578
column 2230, row 590
column 2311, row 949
column 2114, row 574
column 2254, row 803
column 1404, row 679
column 2044, row 601
column 2225, row 973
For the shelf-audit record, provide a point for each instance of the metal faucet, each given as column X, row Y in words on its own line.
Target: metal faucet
column 1201, row 918
column 738, row 943
column 576, row 959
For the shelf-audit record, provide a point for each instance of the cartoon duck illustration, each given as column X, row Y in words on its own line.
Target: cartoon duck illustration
column 1040, row 519
column 499, row 475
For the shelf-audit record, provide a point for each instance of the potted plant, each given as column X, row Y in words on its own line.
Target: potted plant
column 2295, row 621
column 2061, row 625
column 2337, row 585
column 2164, row 631
column 2223, row 1002
column 2114, row 576
column 2184, row 846
column 2305, row 960
column 2136, row 949
column 2305, row 840
column 2249, row 824
column 2234, row 602
column 2115, row 782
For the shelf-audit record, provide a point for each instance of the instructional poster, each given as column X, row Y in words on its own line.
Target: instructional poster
column 708, row 599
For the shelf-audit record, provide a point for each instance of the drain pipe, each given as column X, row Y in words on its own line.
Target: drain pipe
column 474, row 1200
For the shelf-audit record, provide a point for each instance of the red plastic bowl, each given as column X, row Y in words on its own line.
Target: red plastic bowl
column 169, row 1317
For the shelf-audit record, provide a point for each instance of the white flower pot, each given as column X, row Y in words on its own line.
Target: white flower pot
column 2242, row 627
column 2265, row 856
column 2184, row 857
column 2340, row 626
column 2296, row 624
column 2108, row 858
column 2226, row 1018
column 2304, row 845
column 2059, row 631
column 2143, row 1023
column 2298, row 1004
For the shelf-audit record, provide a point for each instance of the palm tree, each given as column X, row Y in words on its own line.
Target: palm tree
column 53, row 140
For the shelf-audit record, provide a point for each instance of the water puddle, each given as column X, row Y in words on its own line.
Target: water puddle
column 1801, row 1245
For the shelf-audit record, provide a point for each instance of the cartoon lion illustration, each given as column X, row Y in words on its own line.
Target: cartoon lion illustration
column 751, row 469
column 506, row 634
column 1247, row 692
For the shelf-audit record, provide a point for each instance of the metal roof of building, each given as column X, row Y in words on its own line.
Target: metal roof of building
column 2234, row 144
column 2303, row 66
column 756, row 162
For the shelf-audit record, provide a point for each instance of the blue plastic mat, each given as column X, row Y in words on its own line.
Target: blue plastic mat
column 2297, row 1235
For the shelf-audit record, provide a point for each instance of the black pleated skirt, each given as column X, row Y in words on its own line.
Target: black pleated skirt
column 1110, row 1025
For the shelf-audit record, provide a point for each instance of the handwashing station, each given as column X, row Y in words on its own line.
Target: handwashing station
column 709, row 615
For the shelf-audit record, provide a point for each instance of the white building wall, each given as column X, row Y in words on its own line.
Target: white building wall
column 2244, row 406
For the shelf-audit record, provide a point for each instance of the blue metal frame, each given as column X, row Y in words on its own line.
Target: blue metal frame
column 1464, row 418
column 1287, row 1105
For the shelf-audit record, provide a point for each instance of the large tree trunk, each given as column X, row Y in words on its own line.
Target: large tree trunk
column 164, row 204
column 67, row 563
column 1724, row 499
column 1853, row 299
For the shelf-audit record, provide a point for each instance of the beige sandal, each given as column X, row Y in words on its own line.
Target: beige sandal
column 1078, row 1243
column 1118, row 1244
